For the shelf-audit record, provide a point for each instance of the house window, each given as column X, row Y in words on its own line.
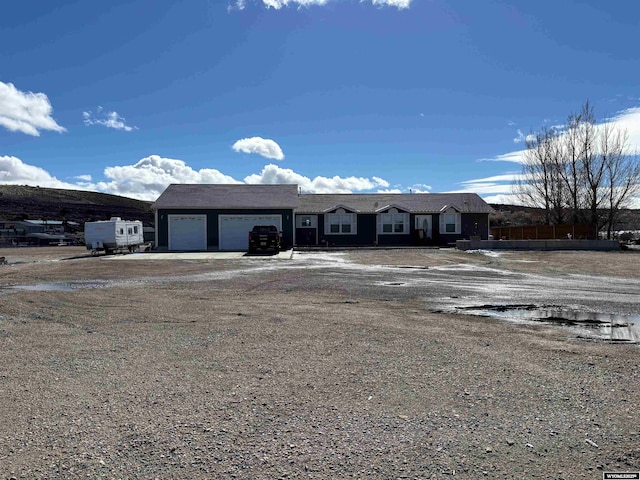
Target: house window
column 397, row 223
column 450, row 223
column 341, row 223
column 305, row 222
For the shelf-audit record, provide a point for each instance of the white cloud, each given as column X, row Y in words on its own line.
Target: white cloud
column 494, row 189
column 262, row 146
column 380, row 182
column 521, row 137
column 26, row 112
column 507, row 177
column 238, row 5
column 485, row 188
column 629, row 120
column 148, row 178
column 399, row 4
column 420, row 188
column 14, row 171
column 272, row 174
column 107, row 119
column 279, row 4
column 514, row 157
column 505, row 199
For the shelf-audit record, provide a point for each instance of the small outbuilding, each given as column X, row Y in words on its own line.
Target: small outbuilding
column 204, row 217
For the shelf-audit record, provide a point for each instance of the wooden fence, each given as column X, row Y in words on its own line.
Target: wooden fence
column 545, row 232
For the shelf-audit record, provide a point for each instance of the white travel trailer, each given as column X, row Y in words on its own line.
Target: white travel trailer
column 114, row 235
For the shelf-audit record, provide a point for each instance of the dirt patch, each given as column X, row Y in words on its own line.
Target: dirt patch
column 617, row 264
column 279, row 374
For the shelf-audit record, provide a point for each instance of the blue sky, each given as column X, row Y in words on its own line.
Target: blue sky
column 126, row 97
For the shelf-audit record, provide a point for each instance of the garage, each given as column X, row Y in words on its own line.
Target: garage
column 187, row 232
column 201, row 217
column 234, row 229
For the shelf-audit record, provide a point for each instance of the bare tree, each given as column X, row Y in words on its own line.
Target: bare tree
column 592, row 163
column 586, row 169
column 539, row 185
column 622, row 172
column 570, row 166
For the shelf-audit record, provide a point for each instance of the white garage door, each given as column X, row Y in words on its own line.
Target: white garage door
column 234, row 229
column 188, row 232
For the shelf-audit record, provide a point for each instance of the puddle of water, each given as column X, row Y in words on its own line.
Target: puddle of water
column 488, row 253
column 597, row 325
column 42, row 287
column 54, row 287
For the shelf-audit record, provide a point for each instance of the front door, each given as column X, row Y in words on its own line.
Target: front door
column 423, row 227
column 306, row 230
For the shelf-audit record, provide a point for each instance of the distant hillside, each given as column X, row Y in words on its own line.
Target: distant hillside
column 21, row 202
column 520, row 215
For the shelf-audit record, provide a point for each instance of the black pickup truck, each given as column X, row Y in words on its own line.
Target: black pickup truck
column 264, row 237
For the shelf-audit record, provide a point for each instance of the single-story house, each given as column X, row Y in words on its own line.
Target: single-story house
column 219, row 217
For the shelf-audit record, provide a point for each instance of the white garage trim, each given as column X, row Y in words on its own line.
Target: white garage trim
column 233, row 230
column 187, row 232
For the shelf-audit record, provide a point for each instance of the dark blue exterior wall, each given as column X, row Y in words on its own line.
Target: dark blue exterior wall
column 475, row 224
column 212, row 224
column 472, row 224
column 365, row 233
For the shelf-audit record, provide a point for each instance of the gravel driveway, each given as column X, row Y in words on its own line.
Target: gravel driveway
column 328, row 365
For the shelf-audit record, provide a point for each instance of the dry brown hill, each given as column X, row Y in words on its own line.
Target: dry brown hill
column 19, row 202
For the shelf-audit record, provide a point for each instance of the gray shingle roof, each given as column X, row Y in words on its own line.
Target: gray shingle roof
column 241, row 196
column 411, row 202
column 181, row 195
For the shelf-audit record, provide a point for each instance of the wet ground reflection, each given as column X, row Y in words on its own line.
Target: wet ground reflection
column 597, row 325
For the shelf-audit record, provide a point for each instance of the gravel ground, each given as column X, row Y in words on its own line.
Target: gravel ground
column 240, row 369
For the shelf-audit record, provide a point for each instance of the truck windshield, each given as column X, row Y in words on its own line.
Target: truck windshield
column 264, row 229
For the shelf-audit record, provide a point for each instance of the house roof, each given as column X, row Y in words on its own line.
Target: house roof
column 410, row 202
column 243, row 196
column 49, row 223
column 223, row 196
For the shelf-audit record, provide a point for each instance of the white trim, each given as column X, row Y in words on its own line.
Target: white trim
column 458, row 222
column 155, row 233
column 338, row 207
column 390, row 206
column 353, row 223
column 449, row 206
column 312, row 217
column 395, row 216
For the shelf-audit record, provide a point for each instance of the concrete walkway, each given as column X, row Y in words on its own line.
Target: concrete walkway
column 283, row 255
